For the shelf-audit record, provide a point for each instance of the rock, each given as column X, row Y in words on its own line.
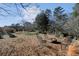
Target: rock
column 12, row 36
column 5, row 36
column 1, row 37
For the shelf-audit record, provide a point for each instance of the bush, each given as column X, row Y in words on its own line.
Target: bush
column 11, row 30
column 11, row 35
column 1, row 36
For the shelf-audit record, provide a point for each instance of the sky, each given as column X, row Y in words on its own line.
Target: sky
column 30, row 14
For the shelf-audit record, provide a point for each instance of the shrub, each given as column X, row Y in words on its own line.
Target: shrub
column 11, row 35
column 1, row 36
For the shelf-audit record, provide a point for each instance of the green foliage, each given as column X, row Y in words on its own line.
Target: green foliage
column 60, row 18
column 72, row 26
column 59, row 14
column 1, row 35
column 17, row 27
column 48, row 13
column 75, row 12
column 51, row 24
column 42, row 22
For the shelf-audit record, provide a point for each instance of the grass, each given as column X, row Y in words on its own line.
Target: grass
column 30, row 33
column 73, row 49
column 30, row 45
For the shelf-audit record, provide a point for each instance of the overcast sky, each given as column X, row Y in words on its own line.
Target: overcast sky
column 31, row 12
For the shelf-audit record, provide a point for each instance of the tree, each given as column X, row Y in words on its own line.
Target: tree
column 17, row 27
column 49, row 14
column 60, row 18
column 76, row 10
column 42, row 22
column 72, row 27
column 15, row 9
column 27, row 26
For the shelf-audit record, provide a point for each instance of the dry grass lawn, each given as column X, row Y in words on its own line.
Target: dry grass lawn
column 30, row 45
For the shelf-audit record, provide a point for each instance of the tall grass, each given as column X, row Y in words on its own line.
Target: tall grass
column 29, row 45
